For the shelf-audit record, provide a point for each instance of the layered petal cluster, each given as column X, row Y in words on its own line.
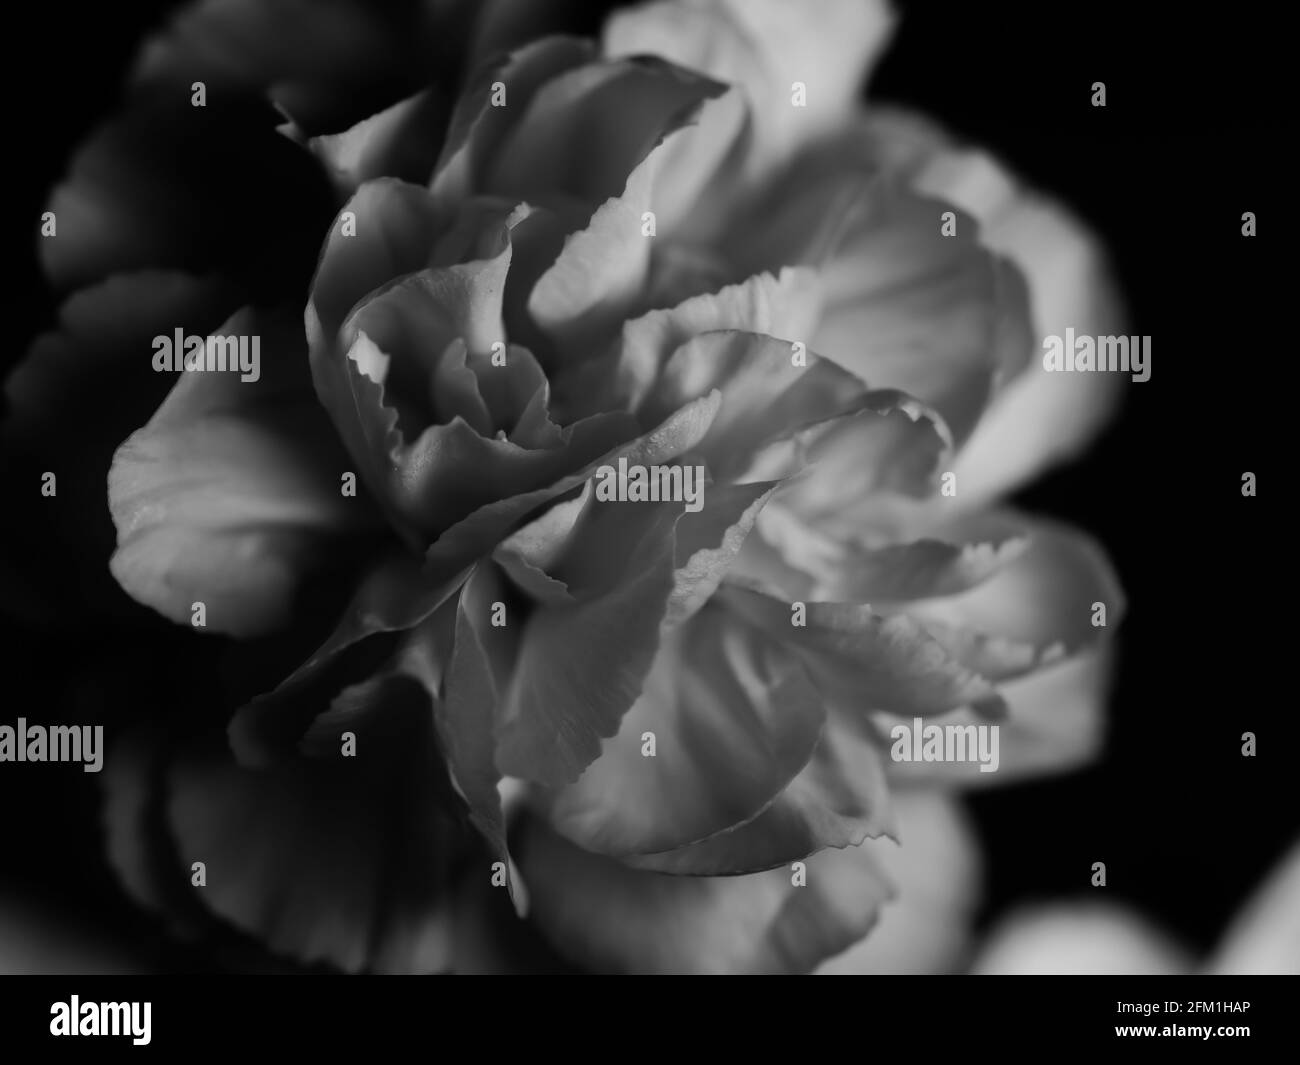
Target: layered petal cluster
column 641, row 250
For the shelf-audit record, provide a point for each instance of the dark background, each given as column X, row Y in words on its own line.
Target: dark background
column 1192, row 136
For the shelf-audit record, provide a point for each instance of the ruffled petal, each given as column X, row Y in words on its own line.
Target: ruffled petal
column 733, row 718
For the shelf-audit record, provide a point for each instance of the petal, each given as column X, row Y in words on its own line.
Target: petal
column 1090, row 940
column 1045, row 597
column 784, row 306
column 634, row 570
column 58, row 421
column 838, row 799
column 625, row 107
column 402, row 590
column 478, row 126
column 766, row 390
column 852, row 466
column 397, row 593
column 401, row 141
column 396, row 228
column 465, row 715
column 230, row 496
column 348, row 860
column 601, row 277
column 854, row 572
column 934, row 316
column 1054, row 721
column 329, row 65
column 612, row 918
column 927, row 927
column 1264, row 936
column 868, row 660
column 167, row 185
column 676, row 435
column 734, row 719
column 1041, row 418
column 765, row 46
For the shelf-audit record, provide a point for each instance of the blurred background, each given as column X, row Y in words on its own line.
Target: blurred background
column 1192, row 136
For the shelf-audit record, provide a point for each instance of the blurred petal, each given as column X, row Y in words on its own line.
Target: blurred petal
column 1044, row 597
column 58, row 421
column 1264, row 936
column 327, row 64
column 1090, row 939
column 41, row 938
column 1054, row 721
column 230, row 496
column 765, row 46
column 612, row 918
column 347, row 860
column 926, row 928
column 934, row 316
column 168, row 185
column 1041, row 418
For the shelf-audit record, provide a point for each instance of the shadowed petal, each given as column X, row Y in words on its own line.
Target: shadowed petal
column 231, row 495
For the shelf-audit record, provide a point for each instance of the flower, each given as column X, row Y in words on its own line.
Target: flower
column 680, row 246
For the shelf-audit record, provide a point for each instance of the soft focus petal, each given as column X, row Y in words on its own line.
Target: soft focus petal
column 1264, row 937
column 57, row 420
column 345, row 860
column 1054, row 721
column 167, row 185
column 612, row 918
column 1084, row 940
column 1046, row 597
column 1041, row 418
column 231, row 495
column 926, row 928
column 765, row 46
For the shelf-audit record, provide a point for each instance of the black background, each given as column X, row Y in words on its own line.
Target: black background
column 1192, row 135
